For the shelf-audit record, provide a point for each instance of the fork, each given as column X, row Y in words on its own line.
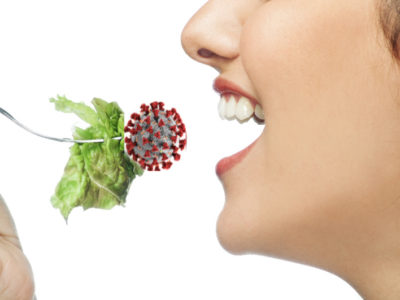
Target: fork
column 65, row 140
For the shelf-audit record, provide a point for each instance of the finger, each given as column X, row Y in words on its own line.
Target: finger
column 7, row 225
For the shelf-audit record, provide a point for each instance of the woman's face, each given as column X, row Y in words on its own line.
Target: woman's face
column 315, row 185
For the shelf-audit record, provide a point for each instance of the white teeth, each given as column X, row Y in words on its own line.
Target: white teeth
column 241, row 110
column 230, row 108
column 259, row 112
column 244, row 109
column 221, row 108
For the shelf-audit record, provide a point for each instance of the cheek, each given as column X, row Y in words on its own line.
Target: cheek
column 270, row 51
column 311, row 67
column 292, row 48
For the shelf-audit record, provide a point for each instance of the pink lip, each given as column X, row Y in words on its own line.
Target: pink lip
column 223, row 86
column 229, row 162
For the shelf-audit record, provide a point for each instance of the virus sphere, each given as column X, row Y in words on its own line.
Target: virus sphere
column 154, row 136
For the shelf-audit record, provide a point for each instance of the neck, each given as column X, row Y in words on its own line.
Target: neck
column 367, row 254
column 376, row 282
column 371, row 264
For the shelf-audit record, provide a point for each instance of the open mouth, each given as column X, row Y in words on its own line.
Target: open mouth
column 234, row 106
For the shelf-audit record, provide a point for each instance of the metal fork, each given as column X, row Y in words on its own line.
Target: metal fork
column 65, row 140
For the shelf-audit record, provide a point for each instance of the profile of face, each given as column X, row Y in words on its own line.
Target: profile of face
column 321, row 185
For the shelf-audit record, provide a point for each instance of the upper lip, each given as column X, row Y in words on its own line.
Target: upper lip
column 222, row 86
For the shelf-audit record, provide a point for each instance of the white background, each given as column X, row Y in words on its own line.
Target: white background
column 163, row 244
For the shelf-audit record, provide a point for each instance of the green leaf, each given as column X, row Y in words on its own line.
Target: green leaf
column 83, row 111
column 97, row 174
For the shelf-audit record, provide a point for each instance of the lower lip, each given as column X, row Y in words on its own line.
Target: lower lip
column 229, row 162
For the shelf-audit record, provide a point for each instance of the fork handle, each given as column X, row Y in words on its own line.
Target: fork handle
column 65, row 140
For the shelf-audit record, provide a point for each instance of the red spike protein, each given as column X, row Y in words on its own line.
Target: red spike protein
column 154, row 136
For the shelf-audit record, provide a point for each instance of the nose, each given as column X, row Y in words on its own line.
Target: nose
column 212, row 35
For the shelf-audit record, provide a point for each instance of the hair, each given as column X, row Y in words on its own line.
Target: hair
column 389, row 19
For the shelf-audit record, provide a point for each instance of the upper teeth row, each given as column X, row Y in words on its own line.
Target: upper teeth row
column 242, row 109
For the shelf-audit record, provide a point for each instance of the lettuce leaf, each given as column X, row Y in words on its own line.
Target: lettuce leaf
column 97, row 174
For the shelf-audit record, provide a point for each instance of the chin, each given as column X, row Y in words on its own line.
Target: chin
column 233, row 233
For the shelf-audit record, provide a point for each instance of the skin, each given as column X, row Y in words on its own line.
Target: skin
column 16, row 279
column 322, row 184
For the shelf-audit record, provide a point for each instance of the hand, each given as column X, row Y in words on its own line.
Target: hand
column 16, row 279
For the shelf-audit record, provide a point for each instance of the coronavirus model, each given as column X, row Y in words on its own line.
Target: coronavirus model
column 154, row 136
